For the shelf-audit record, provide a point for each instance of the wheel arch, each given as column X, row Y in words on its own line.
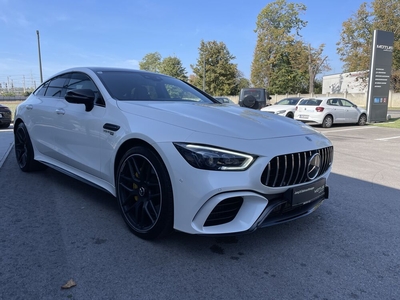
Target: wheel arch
column 129, row 144
column 329, row 115
column 16, row 123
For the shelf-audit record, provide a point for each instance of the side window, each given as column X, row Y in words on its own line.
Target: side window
column 334, row 102
column 346, row 103
column 41, row 90
column 83, row 81
column 56, row 86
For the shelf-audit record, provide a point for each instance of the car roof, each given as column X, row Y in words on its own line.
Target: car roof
column 105, row 69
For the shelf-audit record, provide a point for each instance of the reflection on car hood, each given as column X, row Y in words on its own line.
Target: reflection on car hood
column 224, row 120
column 279, row 107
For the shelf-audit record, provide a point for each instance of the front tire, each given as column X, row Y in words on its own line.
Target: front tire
column 362, row 120
column 290, row 115
column 24, row 150
column 144, row 193
column 327, row 122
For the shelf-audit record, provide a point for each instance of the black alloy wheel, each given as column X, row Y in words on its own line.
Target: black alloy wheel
column 144, row 193
column 24, row 150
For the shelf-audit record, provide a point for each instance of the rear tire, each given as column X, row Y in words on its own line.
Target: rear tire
column 24, row 150
column 327, row 122
column 144, row 193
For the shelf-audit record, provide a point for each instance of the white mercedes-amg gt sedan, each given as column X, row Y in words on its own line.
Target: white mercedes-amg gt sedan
column 173, row 156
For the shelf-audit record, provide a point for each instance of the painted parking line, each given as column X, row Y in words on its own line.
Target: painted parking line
column 388, row 138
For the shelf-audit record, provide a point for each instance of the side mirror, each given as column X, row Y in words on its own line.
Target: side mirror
column 81, row 96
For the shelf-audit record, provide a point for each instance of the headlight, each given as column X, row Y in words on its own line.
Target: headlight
column 279, row 112
column 209, row 158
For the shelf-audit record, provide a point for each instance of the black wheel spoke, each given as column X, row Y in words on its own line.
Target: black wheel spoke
column 151, row 211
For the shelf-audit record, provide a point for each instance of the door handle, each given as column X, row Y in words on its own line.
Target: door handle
column 29, row 106
column 60, row 111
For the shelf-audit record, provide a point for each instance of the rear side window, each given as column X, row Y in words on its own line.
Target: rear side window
column 310, row 102
column 41, row 90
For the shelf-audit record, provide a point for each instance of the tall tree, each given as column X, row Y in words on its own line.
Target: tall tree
column 387, row 17
column 151, row 62
column 214, row 69
column 172, row 66
column 354, row 46
column 316, row 64
column 277, row 26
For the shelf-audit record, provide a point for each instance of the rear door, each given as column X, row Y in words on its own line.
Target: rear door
column 337, row 110
column 43, row 114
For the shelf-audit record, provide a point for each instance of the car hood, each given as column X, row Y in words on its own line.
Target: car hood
column 279, row 107
column 218, row 119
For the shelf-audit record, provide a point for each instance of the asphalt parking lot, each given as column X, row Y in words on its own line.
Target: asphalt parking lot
column 54, row 228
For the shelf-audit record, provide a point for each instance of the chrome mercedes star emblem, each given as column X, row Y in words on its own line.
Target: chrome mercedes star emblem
column 314, row 165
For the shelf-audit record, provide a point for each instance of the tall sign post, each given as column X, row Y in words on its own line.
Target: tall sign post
column 379, row 76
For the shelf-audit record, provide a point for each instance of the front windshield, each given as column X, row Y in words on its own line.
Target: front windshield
column 131, row 85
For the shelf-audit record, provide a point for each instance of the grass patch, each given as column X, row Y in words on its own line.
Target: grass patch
column 392, row 123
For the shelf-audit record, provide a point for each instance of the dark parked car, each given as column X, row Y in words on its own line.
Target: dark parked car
column 5, row 116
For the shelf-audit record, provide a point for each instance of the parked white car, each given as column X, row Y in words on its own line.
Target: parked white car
column 327, row 111
column 285, row 107
column 173, row 156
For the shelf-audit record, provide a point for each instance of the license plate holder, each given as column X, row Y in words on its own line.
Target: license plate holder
column 307, row 193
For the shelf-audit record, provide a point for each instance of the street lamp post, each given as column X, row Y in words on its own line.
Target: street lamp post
column 40, row 57
column 204, row 76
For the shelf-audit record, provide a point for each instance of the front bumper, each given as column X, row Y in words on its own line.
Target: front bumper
column 243, row 211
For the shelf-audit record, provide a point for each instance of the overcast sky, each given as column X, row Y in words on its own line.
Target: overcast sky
column 120, row 33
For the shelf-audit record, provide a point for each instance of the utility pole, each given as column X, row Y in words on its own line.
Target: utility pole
column 204, row 75
column 40, row 57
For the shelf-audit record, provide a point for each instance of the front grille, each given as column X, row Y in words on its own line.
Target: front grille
column 224, row 212
column 291, row 169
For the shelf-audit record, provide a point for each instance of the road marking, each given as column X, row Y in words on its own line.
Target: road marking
column 349, row 129
column 389, row 138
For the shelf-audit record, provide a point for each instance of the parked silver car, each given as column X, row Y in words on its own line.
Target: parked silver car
column 327, row 111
